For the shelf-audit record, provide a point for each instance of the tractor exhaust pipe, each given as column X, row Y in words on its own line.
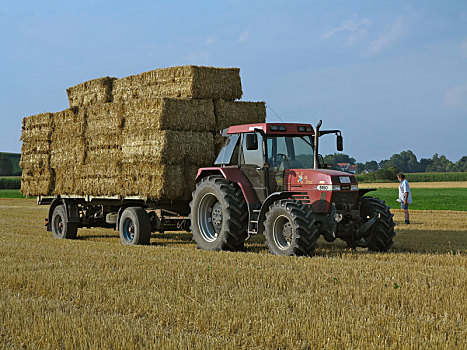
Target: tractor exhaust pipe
column 316, row 161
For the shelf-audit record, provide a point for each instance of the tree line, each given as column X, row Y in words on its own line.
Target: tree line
column 405, row 161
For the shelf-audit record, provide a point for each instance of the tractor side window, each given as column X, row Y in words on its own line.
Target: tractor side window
column 229, row 153
column 254, row 157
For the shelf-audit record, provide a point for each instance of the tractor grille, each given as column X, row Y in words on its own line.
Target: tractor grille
column 303, row 198
column 344, row 197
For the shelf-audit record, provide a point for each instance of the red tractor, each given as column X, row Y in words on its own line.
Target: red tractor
column 270, row 179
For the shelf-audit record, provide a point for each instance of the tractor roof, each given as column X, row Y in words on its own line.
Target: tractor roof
column 274, row 128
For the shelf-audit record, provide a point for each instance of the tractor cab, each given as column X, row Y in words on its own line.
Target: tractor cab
column 281, row 157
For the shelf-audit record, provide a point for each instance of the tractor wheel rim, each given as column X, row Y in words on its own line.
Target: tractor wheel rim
column 282, row 232
column 128, row 230
column 210, row 217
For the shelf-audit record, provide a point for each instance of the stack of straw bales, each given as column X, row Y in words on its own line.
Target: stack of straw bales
column 143, row 135
column 37, row 177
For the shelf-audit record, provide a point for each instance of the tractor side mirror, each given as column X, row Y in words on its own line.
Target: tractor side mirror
column 340, row 143
column 251, row 142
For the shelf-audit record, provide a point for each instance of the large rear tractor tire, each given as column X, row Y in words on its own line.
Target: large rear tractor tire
column 219, row 215
column 380, row 235
column 290, row 228
column 61, row 228
column 135, row 226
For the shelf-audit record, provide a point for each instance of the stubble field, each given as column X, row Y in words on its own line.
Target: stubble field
column 95, row 293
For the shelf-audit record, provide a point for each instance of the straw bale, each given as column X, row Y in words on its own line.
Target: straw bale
column 37, row 127
column 169, row 147
column 101, row 180
column 37, row 181
column 104, row 118
column 91, row 92
column 68, row 123
column 158, row 182
column 185, row 82
column 219, row 141
column 67, row 151
column 35, row 154
column 169, row 114
column 230, row 113
column 67, row 180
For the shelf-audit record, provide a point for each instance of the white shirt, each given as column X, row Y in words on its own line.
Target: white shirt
column 403, row 189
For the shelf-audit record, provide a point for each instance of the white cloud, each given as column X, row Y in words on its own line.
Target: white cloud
column 456, row 97
column 463, row 49
column 387, row 38
column 356, row 30
column 243, row 37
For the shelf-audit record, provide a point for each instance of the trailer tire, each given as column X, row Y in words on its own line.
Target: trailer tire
column 379, row 237
column 135, row 226
column 61, row 227
column 219, row 215
column 290, row 228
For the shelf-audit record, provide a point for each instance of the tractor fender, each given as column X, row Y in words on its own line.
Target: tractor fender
column 267, row 203
column 363, row 191
column 235, row 175
column 72, row 211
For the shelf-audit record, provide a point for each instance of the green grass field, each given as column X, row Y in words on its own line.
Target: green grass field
column 419, row 177
column 427, row 198
column 10, row 194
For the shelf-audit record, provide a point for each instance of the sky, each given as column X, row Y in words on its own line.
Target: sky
column 392, row 75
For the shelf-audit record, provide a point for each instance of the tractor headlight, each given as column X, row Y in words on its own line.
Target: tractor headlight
column 336, row 187
column 354, row 188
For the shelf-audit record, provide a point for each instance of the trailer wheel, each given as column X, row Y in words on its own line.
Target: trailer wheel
column 290, row 228
column 379, row 237
column 61, row 227
column 219, row 215
column 135, row 226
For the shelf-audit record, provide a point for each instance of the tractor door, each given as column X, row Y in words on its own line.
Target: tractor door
column 252, row 164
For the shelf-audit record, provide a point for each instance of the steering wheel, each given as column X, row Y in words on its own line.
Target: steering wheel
column 276, row 160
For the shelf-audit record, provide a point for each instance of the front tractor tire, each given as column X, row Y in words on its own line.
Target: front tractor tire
column 135, row 226
column 219, row 215
column 379, row 237
column 290, row 228
column 61, row 227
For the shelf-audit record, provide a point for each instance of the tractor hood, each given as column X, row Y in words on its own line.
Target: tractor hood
column 311, row 178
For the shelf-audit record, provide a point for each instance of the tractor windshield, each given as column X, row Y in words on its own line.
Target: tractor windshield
column 290, row 152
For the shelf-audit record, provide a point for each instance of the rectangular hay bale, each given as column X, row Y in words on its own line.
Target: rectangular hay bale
column 35, row 154
column 169, row 147
column 169, row 114
column 155, row 181
column 104, row 118
column 193, row 82
column 100, row 179
column 37, row 127
column 230, row 113
column 37, row 181
column 91, row 92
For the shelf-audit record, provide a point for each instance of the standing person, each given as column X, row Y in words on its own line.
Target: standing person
column 405, row 196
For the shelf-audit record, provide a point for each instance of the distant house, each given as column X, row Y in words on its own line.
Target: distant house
column 347, row 167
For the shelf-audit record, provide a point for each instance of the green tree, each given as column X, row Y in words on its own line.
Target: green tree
column 6, row 168
column 335, row 158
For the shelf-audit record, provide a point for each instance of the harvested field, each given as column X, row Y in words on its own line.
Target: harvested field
column 95, row 293
column 91, row 92
column 230, row 113
column 169, row 114
column 185, row 82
